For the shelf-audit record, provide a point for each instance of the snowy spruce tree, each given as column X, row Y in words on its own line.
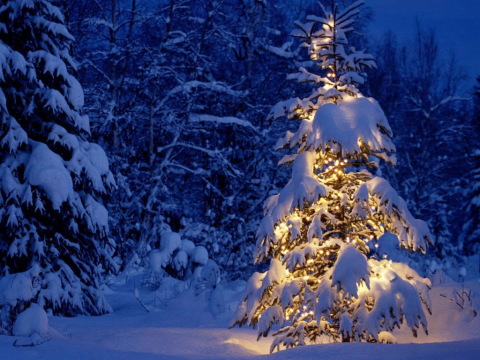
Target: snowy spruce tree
column 52, row 179
column 334, row 232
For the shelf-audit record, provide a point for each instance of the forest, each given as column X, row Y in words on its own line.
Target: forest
column 141, row 138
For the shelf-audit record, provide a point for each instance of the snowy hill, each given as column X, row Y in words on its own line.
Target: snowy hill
column 185, row 328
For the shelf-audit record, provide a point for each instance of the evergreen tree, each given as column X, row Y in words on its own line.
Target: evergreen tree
column 333, row 234
column 52, row 178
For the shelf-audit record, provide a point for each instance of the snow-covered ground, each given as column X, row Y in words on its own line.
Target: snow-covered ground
column 185, row 328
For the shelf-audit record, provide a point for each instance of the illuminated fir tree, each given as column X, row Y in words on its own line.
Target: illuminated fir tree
column 333, row 233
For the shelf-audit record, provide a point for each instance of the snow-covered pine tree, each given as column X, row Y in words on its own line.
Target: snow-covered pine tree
column 329, row 232
column 52, row 179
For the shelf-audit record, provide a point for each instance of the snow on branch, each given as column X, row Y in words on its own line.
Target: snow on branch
column 226, row 120
column 351, row 123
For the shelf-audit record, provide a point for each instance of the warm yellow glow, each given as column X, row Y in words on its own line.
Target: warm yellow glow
column 310, row 261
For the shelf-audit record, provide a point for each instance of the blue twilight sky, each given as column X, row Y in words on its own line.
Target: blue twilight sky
column 456, row 22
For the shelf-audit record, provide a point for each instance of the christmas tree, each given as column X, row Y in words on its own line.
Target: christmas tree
column 334, row 232
column 52, row 179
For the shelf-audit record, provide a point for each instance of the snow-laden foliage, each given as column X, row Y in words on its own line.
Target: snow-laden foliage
column 183, row 260
column 322, row 231
column 52, row 178
column 16, row 293
column 31, row 326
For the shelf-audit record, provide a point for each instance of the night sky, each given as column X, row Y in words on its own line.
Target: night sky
column 456, row 23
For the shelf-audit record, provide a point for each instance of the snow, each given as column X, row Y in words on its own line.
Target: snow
column 302, row 188
column 32, row 321
column 352, row 119
column 170, row 242
column 227, row 120
column 188, row 246
column 46, row 170
column 98, row 215
column 200, row 255
column 75, row 93
column 186, row 329
column 17, row 287
column 158, row 260
column 350, row 269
